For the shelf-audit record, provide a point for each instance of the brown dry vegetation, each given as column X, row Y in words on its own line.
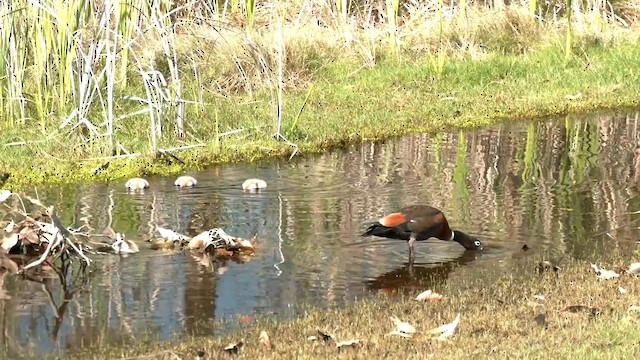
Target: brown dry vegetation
column 314, row 37
column 498, row 310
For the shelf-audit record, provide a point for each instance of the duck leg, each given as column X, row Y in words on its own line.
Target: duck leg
column 412, row 254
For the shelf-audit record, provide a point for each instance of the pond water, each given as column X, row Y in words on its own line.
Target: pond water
column 556, row 185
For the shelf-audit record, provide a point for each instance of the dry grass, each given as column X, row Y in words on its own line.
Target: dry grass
column 498, row 310
column 229, row 77
column 229, row 57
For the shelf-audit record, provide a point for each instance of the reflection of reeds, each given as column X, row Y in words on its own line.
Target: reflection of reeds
column 554, row 182
column 280, row 240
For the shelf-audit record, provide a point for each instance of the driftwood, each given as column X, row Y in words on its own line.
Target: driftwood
column 48, row 241
column 214, row 241
column 62, row 241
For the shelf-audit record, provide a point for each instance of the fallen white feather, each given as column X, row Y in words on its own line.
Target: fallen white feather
column 10, row 226
column 264, row 339
column 348, row 343
column 402, row 326
column 429, row 295
column 634, row 268
column 622, row 290
column 446, row 330
column 633, row 308
column 399, row 333
column 4, row 195
column 607, row 274
column 9, row 241
column 603, row 273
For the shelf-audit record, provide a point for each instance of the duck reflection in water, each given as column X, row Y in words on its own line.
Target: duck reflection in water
column 414, row 278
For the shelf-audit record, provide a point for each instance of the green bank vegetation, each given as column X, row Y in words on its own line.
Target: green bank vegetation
column 516, row 311
column 108, row 89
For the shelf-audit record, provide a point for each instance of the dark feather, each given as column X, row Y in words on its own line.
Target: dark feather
column 387, row 232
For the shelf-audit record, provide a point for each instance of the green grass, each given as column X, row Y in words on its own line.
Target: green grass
column 348, row 104
column 497, row 307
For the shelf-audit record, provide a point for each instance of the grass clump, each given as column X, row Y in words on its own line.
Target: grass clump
column 343, row 107
column 515, row 312
column 131, row 79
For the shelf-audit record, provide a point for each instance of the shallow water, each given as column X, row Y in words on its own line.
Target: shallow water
column 556, row 185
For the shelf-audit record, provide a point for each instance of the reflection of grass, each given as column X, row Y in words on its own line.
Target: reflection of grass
column 498, row 320
column 531, row 154
column 460, row 174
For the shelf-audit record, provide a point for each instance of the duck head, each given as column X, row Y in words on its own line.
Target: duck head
column 469, row 242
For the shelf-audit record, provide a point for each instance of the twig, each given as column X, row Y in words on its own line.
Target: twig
column 168, row 154
column 182, row 147
column 151, row 356
column 66, row 234
column 61, row 237
column 231, row 132
column 24, row 142
column 57, row 222
column 295, row 147
column 16, row 143
column 80, row 252
column 123, row 149
column 44, row 256
column 368, row 64
column 52, row 302
column 112, row 157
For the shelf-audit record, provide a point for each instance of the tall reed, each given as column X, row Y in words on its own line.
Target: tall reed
column 162, row 23
column 392, row 8
column 249, row 12
column 438, row 62
column 13, row 60
column 342, row 9
column 280, row 78
column 533, row 7
column 126, row 17
column 463, row 9
column 64, row 63
column 569, row 37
